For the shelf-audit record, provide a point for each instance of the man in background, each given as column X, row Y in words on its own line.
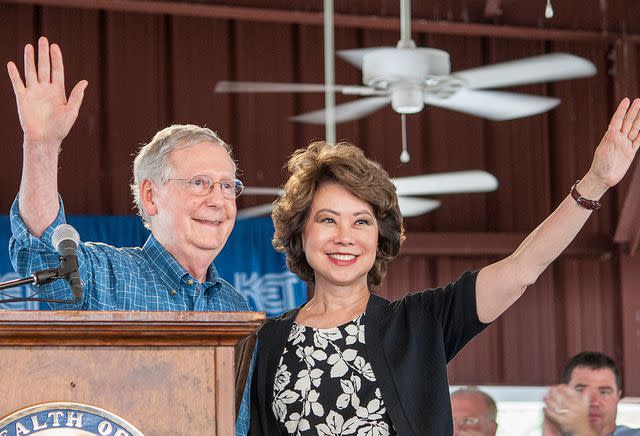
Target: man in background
column 586, row 403
column 474, row 413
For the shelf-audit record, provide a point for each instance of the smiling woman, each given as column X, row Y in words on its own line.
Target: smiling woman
column 350, row 362
column 340, row 242
column 353, row 177
column 321, row 368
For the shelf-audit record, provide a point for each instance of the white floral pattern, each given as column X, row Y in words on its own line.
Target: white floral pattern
column 334, row 390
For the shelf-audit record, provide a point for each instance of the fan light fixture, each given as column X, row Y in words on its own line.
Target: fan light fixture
column 407, row 99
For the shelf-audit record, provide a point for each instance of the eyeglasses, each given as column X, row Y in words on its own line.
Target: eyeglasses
column 466, row 420
column 203, row 185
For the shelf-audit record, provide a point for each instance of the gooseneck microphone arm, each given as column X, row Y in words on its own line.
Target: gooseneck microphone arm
column 65, row 238
column 37, row 278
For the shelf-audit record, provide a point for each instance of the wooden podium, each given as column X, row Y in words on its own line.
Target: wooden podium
column 166, row 373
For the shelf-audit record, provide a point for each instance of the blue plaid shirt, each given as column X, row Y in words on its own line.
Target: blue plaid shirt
column 145, row 279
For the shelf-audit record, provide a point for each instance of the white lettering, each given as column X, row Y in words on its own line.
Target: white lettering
column 271, row 292
column 105, row 428
column 72, row 419
column 36, row 424
column 121, row 432
column 21, row 429
column 4, row 433
column 56, row 417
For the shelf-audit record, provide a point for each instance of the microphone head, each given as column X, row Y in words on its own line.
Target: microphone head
column 64, row 232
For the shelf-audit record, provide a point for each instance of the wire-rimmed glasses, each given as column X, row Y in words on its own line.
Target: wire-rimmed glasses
column 203, row 185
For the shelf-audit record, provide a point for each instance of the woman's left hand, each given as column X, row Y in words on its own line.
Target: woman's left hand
column 616, row 150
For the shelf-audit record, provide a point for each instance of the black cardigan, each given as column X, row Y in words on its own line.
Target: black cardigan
column 409, row 342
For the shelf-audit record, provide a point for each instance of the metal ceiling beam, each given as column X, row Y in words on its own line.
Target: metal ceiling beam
column 340, row 20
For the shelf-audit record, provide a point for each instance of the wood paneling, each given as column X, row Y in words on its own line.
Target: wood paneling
column 84, row 150
column 135, row 95
column 17, row 26
column 261, row 135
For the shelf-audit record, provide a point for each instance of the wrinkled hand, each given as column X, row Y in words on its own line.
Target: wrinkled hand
column 616, row 150
column 45, row 113
column 568, row 410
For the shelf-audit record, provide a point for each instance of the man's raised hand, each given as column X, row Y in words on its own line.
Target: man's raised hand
column 45, row 113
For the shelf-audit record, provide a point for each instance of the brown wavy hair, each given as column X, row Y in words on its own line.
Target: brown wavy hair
column 345, row 164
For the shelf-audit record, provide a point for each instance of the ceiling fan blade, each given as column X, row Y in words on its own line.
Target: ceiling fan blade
column 352, row 110
column 410, row 206
column 446, row 183
column 274, row 87
column 227, row 86
column 494, row 105
column 355, row 56
column 249, row 190
column 254, row 211
column 535, row 69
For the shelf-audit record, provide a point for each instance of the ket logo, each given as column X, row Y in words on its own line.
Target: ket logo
column 68, row 419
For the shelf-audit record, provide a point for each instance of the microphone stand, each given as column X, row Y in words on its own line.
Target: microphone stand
column 40, row 278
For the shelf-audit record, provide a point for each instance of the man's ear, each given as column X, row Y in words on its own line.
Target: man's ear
column 147, row 197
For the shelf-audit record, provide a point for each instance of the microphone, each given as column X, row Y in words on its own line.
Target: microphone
column 65, row 239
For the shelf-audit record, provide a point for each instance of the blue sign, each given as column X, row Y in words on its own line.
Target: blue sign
column 248, row 261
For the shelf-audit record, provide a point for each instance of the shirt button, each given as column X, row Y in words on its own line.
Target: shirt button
column 174, row 292
column 190, row 282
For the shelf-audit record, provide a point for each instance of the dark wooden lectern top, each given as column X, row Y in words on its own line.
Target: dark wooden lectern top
column 167, row 373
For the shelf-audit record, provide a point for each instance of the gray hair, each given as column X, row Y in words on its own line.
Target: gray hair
column 492, row 408
column 152, row 161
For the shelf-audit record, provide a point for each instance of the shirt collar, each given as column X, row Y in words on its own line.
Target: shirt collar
column 170, row 270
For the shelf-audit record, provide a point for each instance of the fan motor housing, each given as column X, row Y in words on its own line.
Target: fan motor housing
column 386, row 66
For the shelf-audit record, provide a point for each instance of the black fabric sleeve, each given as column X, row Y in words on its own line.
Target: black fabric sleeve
column 454, row 309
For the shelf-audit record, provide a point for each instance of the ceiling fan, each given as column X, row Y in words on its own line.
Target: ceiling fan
column 407, row 188
column 408, row 77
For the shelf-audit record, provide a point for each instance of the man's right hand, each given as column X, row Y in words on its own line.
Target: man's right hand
column 46, row 117
column 568, row 411
column 45, row 113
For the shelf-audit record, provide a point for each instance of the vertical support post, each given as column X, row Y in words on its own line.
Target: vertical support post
column 624, row 71
column 329, row 74
column 405, row 25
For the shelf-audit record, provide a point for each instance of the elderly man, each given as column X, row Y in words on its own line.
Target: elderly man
column 185, row 188
column 474, row 412
column 586, row 403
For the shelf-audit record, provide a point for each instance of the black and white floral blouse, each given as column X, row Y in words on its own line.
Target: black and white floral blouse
column 325, row 385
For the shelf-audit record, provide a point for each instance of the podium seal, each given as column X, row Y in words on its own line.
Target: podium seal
column 68, row 419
